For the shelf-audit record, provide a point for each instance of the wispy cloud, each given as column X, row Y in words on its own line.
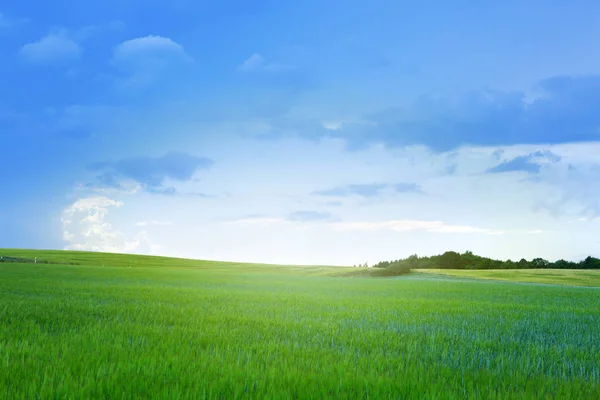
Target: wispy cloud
column 335, row 125
column 410, row 225
column 530, row 163
column 262, row 221
column 151, row 173
column 310, row 216
column 267, row 89
column 576, row 192
column 256, row 63
column 153, row 223
column 334, row 223
column 164, row 191
column 369, row 190
column 54, row 48
column 171, row 191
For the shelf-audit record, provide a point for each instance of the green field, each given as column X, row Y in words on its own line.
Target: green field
column 578, row 277
column 117, row 327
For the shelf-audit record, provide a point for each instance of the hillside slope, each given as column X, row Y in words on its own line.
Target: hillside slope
column 85, row 258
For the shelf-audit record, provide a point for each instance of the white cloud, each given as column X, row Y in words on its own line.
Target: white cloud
column 256, row 62
column 85, row 228
column 132, row 51
column 126, row 186
column 334, row 125
column 54, row 48
column 258, row 221
column 409, row 225
column 574, row 185
column 153, row 223
column 394, row 225
column 143, row 60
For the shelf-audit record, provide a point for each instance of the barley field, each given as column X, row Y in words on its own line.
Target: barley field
column 571, row 277
column 124, row 327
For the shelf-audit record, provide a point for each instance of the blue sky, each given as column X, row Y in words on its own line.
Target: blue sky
column 301, row 132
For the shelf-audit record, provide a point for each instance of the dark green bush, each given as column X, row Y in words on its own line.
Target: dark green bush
column 395, row 269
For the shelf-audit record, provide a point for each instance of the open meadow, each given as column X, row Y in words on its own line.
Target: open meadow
column 115, row 326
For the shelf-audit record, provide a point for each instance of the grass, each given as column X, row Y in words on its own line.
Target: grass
column 168, row 328
column 582, row 277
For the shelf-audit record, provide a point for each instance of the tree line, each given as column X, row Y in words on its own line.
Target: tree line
column 468, row 260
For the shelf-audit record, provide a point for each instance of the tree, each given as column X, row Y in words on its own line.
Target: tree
column 590, row 262
column 562, row 264
column 540, row 263
column 468, row 260
column 413, row 260
column 450, row 260
column 382, row 264
column 454, row 260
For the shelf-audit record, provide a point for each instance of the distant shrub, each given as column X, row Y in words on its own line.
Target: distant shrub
column 395, row 269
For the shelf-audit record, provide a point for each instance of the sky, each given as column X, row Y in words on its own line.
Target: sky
column 314, row 132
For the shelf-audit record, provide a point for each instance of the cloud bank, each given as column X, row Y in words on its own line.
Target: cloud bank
column 566, row 109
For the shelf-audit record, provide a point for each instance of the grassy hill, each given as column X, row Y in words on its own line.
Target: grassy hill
column 84, row 258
